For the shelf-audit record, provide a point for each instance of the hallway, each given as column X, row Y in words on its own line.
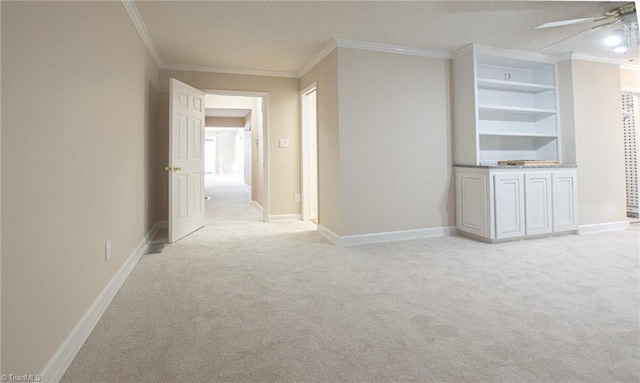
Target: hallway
column 229, row 200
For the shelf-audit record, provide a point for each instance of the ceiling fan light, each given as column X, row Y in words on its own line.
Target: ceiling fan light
column 615, row 38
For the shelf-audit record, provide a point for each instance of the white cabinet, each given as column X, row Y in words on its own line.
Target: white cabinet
column 565, row 214
column 471, row 193
column 538, row 203
column 509, row 204
column 496, row 204
column 506, row 105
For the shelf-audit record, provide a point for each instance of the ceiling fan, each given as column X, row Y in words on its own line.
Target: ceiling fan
column 620, row 39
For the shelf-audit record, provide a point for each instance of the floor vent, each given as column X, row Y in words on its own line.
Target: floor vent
column 155, row 248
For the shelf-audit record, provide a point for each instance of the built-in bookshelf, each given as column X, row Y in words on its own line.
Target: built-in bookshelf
column 505, row 106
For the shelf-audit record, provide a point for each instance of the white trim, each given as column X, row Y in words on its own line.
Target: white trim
column 249, row 72
column 256, row 205
column 157, row 227
column 61, row 360
column 388, row 48
column 284, row 217
column 361, row 239
column 502, row 52
column 247, row 187
column 585, row 57
column 329, row 235
column 628, row 66
column 135, row 17
column 626, row 89
column 319, row 57
column 603, row 227
column 305, row 152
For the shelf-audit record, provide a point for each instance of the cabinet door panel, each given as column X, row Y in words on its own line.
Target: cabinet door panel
column 538, row 201
column 565, row 214
column 509, row 205
column 471, row 197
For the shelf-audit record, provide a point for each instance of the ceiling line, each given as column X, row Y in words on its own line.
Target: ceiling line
column 251, row 72
column 135, row 17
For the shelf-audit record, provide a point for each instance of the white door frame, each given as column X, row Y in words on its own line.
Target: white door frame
column 265, row 138
column 305, row 181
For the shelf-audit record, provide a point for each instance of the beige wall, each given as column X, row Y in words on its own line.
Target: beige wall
column 325, row 74
column 395, row 142
column 78, row 116
column 599, row 142
column 630, row 79
column 283, row 115
column 224, row 122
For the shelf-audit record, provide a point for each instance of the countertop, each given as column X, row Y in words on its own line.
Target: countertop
column 516, row 166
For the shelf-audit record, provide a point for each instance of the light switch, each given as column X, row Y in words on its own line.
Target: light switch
column 283, row 143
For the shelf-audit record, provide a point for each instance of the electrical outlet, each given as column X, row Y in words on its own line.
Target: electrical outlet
column 296, row 197
column 107, row 250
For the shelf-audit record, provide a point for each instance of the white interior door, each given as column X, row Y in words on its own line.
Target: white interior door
column 186, row 165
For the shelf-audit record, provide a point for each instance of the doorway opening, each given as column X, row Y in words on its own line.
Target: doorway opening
column 309, row 158
column 234, row 165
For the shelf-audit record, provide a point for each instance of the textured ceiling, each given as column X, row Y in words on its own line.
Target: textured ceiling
column 285, row 36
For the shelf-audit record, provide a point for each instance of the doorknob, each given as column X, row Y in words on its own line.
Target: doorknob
column 173, row 168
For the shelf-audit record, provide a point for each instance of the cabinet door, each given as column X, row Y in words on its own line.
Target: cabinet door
column 471, row 203
column 538, row 202
column 565, row 198
column 509, row 205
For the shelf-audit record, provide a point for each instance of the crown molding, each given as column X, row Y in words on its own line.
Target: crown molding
column 319, row 57
column 388, row 48
column 603, row 60
column 248, row 72
column 135, row 17
column 628, row 66
column 465, row 50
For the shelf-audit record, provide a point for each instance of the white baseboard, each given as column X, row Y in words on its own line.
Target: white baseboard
column 284, row 217
column 602, row 227
column 257, row 206
column 328, row 234
column 61, row 360
column 361, row 239
column 247, row 187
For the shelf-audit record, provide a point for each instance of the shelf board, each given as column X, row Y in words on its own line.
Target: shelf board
column 503, row 113
column 514, row 86
column 511, row 134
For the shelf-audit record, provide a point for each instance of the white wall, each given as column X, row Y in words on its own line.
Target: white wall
column 80, row 122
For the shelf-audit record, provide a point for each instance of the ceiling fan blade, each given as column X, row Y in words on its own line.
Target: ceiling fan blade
column 566, row 38
column 601, row 26
column 569, row 22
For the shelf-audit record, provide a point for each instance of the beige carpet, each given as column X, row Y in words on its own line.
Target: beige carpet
column 245, row 301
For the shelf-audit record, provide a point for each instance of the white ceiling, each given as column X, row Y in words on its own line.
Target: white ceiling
column 285, row 36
